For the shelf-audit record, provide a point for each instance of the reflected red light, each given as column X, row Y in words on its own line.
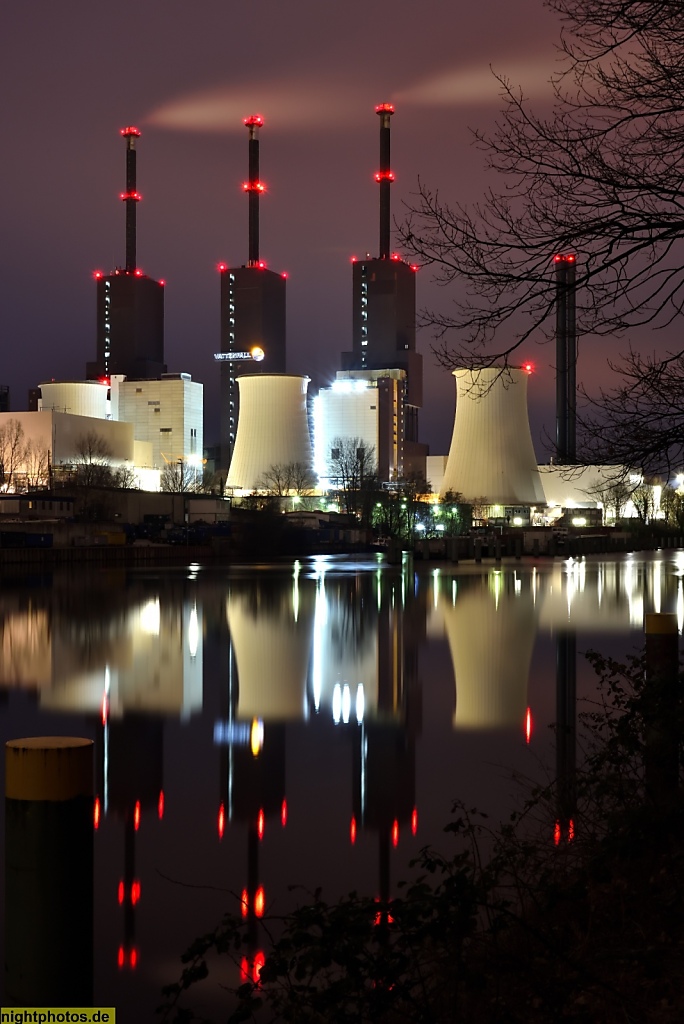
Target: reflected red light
column 221, row 821
column 528, row 725
column 244, row 969
column 261, row 821
column 259, row 901
column 259, row 961
column 395, row 832
column 160, row 805
column 414, row 821
column 133, row 958
column 121, row 892
column 96, row 813
column 352, row 830
column 571, row 830
column 557, row 833
column 283, row 813
column 105, row 708
column 120, row 957
column 244, row 903
column 135, row 892
column 136, row 815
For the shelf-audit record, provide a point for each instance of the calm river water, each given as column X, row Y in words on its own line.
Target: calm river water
column 305, row 723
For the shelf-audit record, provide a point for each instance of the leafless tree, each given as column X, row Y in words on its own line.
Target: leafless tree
column 640, row 422
column 288, row 478
column 600, row 176
column 180, row 478
column 12, row 447
column 93, row 462
column 36, row 464
column 353, row 470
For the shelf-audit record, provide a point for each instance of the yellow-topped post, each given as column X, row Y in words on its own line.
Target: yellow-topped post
column 49, row 871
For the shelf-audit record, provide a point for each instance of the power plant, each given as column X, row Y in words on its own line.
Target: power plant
column 384, row 315
column 269, row 423
column 130, row 304
column 253, row 313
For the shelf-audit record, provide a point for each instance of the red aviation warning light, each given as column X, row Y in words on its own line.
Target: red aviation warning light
column 384, row 176
column 130, row 130
column 384, row 108
column 130, row 195
column 221, row 267
column 528, row 368
column 253, row 186
column 561, row 258
column 255, row 121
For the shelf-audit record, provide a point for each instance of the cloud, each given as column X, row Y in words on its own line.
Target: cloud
column 477, row 85
column 302, row 105
column 291, row 107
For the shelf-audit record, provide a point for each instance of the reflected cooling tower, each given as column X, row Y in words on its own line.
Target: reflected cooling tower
column 491, row 455
column 271, row 641
column 272, row 430
column 491, row 629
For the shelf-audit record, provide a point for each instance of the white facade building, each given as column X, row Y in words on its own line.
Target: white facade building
column 492, row 457
column 272, row 430
column 78, row 397
column 167, row 413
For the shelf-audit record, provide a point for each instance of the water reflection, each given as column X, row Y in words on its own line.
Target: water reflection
column 316, row 712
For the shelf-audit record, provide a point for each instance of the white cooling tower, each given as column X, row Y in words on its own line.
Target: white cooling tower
column 272, row 428
column 491, row 455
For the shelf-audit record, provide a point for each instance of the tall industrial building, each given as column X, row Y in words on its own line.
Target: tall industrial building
column 130, row 305
column 384, row 315
column 253, row 324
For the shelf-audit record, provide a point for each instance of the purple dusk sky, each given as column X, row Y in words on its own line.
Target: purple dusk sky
column 187, row 73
